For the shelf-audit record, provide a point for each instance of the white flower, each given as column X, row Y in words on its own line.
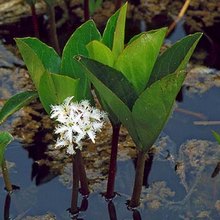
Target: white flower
column 76, row 121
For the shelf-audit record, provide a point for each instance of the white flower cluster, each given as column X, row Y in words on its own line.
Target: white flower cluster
column 76, row 121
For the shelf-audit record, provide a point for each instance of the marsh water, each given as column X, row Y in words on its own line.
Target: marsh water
column 182, row 179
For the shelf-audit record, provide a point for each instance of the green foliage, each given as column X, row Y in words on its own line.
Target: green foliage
column 54, row 88
column 114, row 33
column 138, row 58
column 56, row 77
column 216, row 136
column 5, row 139
column 15, row 103
column 143, row 109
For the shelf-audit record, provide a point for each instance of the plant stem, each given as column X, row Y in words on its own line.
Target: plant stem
column 35, row 21
column 86, row 10
column 113, row 162
column 139, row 174
column 6, row 178
column 52, row 28
column 84, row 186
column 75, row 186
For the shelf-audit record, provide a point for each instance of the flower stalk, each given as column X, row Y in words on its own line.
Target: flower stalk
column 113, row 162
column 84, row 186
column 75, row 187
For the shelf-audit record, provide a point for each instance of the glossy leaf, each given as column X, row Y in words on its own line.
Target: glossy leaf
column 5, row 139
column 15, row 103
column 113, row 79
column 76, row 45
column 94, row 71
column 138, row 58
column 38, row 57
column 100, row 52
column 54, row 88
column 46, row 54
column 153, row 107
column 113, row 35
column 108, row 34
column 175, row 58
column 119, row 34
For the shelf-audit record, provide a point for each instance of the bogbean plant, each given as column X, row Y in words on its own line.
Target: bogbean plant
column 11, row 106
column 135, row 84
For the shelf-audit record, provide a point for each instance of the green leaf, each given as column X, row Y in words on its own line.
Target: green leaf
column 47, row 55
column 15, row 103
column 113, row 35
column 38, row 57
column 76, row 45
column 119, row 34
column 94, row 70
column 113, row 79
column 108, row 34
column 54, row 88
column 138, row 58
column 153, row 107
column 175, row 58
column 5, row 139
column 100, row 52
column 216, row 136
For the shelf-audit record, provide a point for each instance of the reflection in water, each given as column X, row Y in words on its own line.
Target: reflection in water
column 7, row 207
column 147, row 168
column 83, row 207
column 216, row 170
column 112, row 211
column 136, row 215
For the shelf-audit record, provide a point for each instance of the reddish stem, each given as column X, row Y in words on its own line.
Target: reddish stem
column 113, row 162
column 35, row 21
column 86, row 10
column 84, row 186
column 75, row 187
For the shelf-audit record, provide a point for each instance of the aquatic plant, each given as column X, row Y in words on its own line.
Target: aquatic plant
column 138, row 85
column 75, row 122
column 12, row 105
column 5, row 139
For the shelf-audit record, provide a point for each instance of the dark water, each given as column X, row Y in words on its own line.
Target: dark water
column 195, row 195
column 53, row 197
